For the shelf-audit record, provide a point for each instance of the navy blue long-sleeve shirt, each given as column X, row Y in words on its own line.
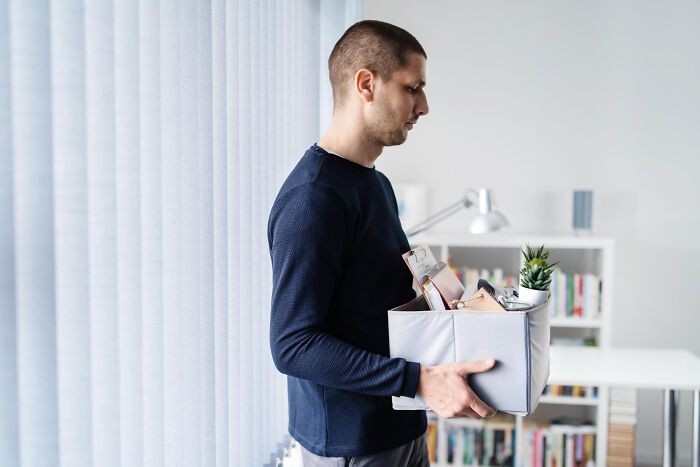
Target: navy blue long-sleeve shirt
column 336, row 243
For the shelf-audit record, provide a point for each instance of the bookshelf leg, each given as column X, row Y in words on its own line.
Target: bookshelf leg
column 670, row 403
column 696, row 428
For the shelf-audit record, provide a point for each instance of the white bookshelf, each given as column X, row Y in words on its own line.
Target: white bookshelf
column 580, row 254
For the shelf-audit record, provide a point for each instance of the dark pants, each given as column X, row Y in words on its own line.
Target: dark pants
column 412, row 454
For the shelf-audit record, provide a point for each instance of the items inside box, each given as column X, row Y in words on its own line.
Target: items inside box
column 443, row 291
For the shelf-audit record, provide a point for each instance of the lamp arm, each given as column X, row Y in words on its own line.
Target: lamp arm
column 439, row 216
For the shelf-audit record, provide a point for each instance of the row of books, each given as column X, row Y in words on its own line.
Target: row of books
column 492, row 444
column 570, row 391
column 497, row 277
column 559, row 446
column 485, row 446
column 575, row 295
column 621, row 430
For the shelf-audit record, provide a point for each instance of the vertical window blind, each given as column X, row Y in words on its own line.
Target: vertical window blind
column 142, row 143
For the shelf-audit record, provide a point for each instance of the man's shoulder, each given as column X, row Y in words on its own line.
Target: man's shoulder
column 313, row 178
column 308, row 209
column 383, row 178
column 309, row 192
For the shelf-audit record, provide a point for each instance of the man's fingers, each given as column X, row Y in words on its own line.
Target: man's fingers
column 477, row 410
column 478, row 366
column 469, row 412
column 462, row 401
column 480, row 407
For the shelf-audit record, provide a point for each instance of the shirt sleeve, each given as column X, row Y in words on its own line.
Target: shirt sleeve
column 308, row 235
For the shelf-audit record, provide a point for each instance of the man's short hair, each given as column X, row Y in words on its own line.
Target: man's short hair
column 378, row 46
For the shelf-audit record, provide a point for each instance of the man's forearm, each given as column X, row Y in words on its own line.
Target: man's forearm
column 324, row 359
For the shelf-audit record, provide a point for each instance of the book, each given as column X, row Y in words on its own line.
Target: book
column 433, row 297
column 623, row 419
column 570, row 298
column 578, row 296
column 446, row 282
column 432, row 442
column 621, row 449
column 589, row 447
column 622, row 430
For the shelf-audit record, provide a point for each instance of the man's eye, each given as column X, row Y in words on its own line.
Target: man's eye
column 412, row 90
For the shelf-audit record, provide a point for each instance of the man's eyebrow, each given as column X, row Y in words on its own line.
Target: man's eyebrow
column 420, row 82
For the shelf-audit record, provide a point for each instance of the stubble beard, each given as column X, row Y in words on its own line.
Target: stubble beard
column 385, row 138
column 383, row 132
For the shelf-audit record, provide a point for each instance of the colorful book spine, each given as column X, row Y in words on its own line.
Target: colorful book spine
column 432, row 442
column 487, row 453
column 571, row 391
column 575, row 295
column 578, row 295
column 452, row 440
column 570, row 296
column 467, row 447
column 537, row 448
column 563, row 295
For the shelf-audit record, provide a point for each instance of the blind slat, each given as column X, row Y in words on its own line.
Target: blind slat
column 100, row 132
column 35, row 317
column 71, row 233
column 171, row 168
column 9, row 427
column 220, row 226
column 204, row 158
column 151, row 233
column 128, row 221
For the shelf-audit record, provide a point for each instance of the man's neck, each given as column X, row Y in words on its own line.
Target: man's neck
column 346, row 138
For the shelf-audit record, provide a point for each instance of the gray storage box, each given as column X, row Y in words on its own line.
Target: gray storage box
column 517, row 340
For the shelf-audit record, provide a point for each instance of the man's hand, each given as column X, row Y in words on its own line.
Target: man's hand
column 445, row 389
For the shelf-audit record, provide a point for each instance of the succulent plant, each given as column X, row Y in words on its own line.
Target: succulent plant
column 537, row 273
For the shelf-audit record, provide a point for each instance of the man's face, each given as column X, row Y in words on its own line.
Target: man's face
column 398, row 103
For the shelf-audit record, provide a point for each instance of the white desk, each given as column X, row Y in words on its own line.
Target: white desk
column 666, row 369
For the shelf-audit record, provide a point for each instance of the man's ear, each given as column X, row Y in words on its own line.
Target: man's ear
column 364, row 84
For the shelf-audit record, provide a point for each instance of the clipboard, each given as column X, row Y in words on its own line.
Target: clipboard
column 420, row 261
column 432, row 277
column 446, row 282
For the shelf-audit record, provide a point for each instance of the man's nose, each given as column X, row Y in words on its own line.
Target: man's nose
column 422, row 105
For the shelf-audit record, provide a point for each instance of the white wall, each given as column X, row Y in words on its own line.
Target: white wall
column 536, row 99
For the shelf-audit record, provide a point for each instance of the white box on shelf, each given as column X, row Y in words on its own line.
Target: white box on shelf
column 517, row 340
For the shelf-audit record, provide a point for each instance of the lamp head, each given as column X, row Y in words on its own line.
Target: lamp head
column 488, row 219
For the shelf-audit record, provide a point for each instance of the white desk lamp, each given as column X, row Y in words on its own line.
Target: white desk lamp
column 488, row 220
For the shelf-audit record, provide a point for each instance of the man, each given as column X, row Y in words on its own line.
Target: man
column 336, row 243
